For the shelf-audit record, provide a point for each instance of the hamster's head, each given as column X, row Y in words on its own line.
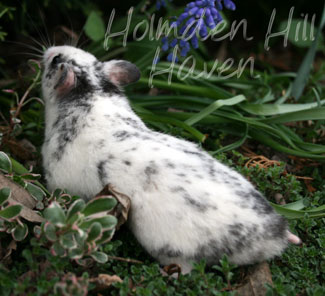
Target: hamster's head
column 69, row 72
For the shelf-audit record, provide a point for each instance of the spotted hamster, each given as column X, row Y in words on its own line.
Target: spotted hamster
column 185, row 205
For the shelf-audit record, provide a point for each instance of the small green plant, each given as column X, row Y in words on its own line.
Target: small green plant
column 77, row 232
column 226, row 268
column 70, row 284
column 9, row 217
column 71, row 227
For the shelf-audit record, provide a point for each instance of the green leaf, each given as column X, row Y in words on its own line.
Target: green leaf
column 108, row 222
column 37, row 231
column 94, row 231
column 95, row 27
column 5, row 163
column 310, row 114
column 50, row 231
column 35, row 191
column 19, row 169
column 98, row 205
column 215, row 93
column 67, row 240
column 20, row 232
column 304, row 69
column 276, row 109
column 214, row 106
column 76, row 253
column 100, row 257
column 297, row 205
column 106, row 237
column 75, row 208
column 58, row 250
column 80, row 236
column 11, row 212
column 298, row 214
column 55, row 214
column 4, row 195
column 269, row 141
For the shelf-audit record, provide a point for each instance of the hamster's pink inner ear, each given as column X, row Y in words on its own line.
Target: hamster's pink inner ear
column 121, row 73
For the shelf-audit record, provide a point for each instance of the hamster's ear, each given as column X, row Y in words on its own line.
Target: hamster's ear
column 121, row 72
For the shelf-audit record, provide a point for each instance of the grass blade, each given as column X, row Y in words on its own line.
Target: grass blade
column 304, row 70
column 214, row 106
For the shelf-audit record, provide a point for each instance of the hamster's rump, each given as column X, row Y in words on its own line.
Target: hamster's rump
column 185, row 205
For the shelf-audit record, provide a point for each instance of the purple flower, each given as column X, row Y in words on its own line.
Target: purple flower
column 198, row 18
column 229, row 4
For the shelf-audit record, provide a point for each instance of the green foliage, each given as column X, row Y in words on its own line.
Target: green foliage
column 78, row 231
column 302, row 269
column 94, row 27
column 147, row 280
column 5, row 163
column 304, row 70
column 9, row 216
column 5, row 10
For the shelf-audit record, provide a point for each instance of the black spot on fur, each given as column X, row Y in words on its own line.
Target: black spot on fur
column 54, row 66
column 150, row 170
column 256, row 201
column 177, row 189
column 199, row 154
column 170, row 164
column 241, row 236
column 83, row 86
column 109, row 87
column 166, row 250
column 200, row 206
column 260, row 203
column 98, row 66
column 67, row 124
column 181, row 175
column 102, row 173
column 145, row 137
column 132, row 122
column 127, row 162
column 213, row 250
column 121, row 135
column 236, row 229
column 194, row 203
column 277, row 227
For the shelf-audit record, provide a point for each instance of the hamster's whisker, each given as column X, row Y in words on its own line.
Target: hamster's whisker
column 47, row 37
column 26, row 45
column 43, row 46
column 30, row 54
column 83, row 43
column 78, row 39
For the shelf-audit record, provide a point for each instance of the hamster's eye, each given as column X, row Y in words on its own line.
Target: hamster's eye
column 56, row 60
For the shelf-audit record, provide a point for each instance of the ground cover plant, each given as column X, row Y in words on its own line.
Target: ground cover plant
column 258, row 110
